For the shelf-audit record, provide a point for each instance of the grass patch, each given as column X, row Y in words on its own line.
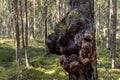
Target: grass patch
column 45, row 66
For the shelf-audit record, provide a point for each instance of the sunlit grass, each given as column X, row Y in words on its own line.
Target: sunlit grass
column 105, row 58
column 44, row 66
column 105, row 75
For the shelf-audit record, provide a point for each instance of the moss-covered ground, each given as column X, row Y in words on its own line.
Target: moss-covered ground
column 44, row 66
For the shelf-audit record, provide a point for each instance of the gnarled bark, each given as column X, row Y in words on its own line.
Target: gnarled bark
column 74, row 41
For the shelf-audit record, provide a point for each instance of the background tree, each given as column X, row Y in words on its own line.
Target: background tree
column 112, row 29
column 16, row 16
column 46, row 21
column 26, row 34
column 22, row 24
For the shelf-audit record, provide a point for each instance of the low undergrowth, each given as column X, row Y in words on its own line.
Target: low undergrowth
column 44, row 66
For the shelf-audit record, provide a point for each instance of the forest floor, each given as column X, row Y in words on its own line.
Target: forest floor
column 44, row 66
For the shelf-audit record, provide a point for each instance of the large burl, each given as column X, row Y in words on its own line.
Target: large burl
column 73, row 40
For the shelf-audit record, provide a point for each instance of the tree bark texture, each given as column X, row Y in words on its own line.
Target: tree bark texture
column 74, row 41
column 112, row 28
column 16, row 17
column 22, row 25
column 45, row 22
column 26, row 35
column 1, row 18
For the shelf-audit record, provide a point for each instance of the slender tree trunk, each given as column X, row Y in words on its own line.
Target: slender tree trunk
column 112, row 29
column 9, row 20
column 16, row 16
column 98, row 27
column 26, row 35
column 32, row 20
column 60, row 9
column 57, row 12
column 107, row 30
column 22, row 26
column 33, row 33
column 1, row 18
column 0, row 24
column 46, row 27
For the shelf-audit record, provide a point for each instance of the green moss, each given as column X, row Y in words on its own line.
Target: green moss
column 54, row 35
column 45, row 67
column 62, row 26
column 75, row 14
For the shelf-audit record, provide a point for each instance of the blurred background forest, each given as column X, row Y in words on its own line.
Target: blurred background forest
column 24, row 26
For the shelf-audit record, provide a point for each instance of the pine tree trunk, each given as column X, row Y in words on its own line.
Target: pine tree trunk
column 57, row 12
column 112, row 29
column 34, row 23
column 1, row 20
column 46, row 27
column 26, row 36
column 107, row 31
column 16, row 16
column 9, row 20
column 22, row 26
